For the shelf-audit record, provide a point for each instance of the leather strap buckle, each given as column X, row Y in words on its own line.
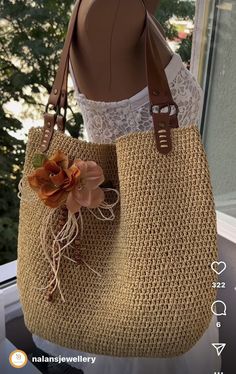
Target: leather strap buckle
column 47, row 108
column 48, row 129
column 164, row 120
column 50, row 120
column 157, row 108
column 60, row 118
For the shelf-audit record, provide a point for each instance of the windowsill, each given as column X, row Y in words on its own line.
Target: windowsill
column 226, row 226
column 11, row 302
column 7, row 273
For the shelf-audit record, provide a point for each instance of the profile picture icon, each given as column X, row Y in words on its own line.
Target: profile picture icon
column 18, row 359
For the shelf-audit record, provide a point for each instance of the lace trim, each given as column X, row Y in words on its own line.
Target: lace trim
column 105, row 121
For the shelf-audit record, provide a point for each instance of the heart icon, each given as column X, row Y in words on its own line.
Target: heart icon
column 218, row 267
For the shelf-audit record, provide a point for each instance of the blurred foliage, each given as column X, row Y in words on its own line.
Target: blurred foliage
column 185, row 49
column 184, row 10
column 11, row 160
column 32, row 34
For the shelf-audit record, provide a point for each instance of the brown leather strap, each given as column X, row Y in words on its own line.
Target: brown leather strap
column 158, row 88
column 63, row 65
column 159, row 92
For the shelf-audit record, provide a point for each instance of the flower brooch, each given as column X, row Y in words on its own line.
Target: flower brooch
column 58, row 180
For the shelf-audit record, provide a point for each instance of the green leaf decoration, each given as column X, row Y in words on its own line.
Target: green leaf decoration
column 38, row 160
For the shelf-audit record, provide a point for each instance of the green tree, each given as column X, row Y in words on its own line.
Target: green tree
column 182, row 9
column 32, row 34
column 11, row 159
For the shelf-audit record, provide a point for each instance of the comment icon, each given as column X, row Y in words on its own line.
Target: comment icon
column 218, row 308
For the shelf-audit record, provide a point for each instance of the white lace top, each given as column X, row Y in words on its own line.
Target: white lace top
column 105, row 121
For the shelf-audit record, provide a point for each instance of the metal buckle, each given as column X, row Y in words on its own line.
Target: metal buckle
column 56, row 109
column 64, row 114
column 61, row 124
column 158, row 108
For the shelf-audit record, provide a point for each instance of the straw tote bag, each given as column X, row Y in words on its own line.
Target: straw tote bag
column 116, row 240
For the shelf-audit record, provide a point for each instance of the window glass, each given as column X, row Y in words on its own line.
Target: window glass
column 219, row 112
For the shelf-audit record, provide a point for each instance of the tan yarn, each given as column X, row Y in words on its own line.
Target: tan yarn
column 154, row 295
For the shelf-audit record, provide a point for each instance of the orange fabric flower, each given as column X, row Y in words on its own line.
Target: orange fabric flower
column 60, row 181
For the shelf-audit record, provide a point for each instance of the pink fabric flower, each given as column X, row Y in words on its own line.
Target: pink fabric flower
column 87, row 191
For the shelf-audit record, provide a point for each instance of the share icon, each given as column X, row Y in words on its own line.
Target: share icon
column 219, row 347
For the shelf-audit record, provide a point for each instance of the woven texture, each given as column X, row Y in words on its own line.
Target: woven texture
column 154, row 296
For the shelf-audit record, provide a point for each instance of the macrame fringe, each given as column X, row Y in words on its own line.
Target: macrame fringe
column 67, row 234
column 65, row 237
column 106, row 206
column 21, row 190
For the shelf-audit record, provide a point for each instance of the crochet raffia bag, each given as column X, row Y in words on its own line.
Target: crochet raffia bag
column 116, row 240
